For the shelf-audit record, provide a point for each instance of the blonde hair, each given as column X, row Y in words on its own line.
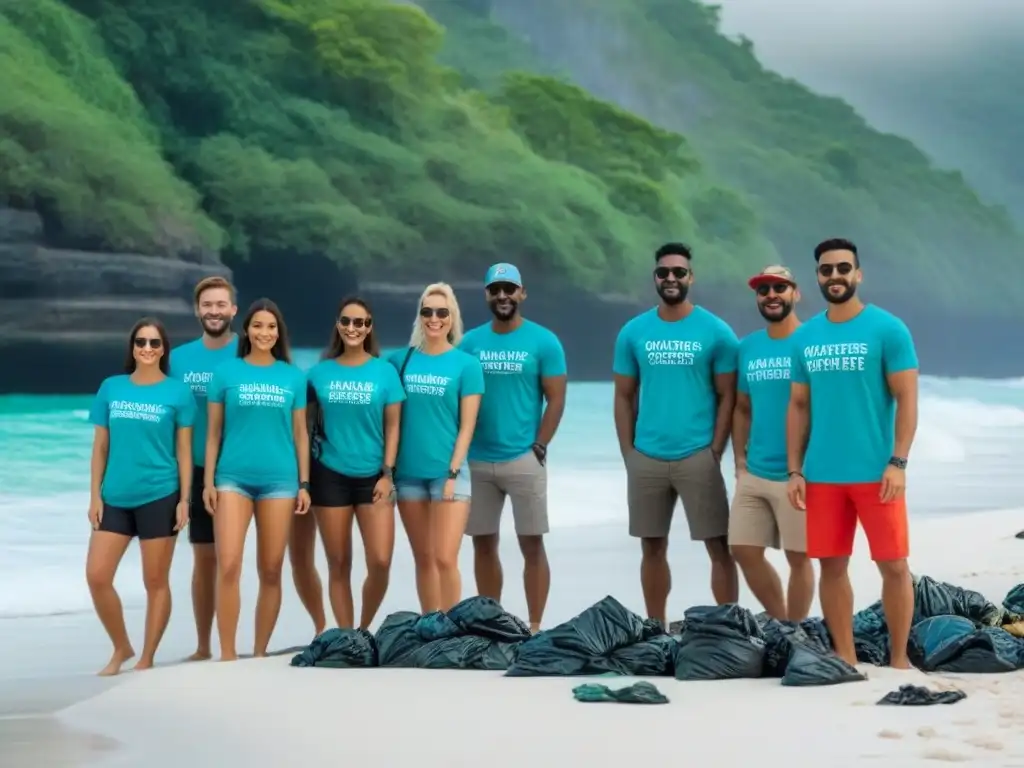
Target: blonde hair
column 213, row 281
column 454, row 332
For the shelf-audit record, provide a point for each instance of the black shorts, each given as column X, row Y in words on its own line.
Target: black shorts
column 200, row 523
column 328, row 488
column 153, row 520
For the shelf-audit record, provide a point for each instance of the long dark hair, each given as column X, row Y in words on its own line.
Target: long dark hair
column 148, row 322
column 282, row 350
column 336, row 346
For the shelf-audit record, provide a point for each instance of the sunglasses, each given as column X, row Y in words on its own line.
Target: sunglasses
column 777, row 288
column 678, row 273
column 496, row 289
column 843, row 268
column 356, row 322
column 142, row 343
column 440, row 313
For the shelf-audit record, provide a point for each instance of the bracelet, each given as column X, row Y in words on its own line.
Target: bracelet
column 795, row 473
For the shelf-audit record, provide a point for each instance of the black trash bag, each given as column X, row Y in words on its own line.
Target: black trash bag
column 871, row 636
column 956, row 644
column 817, row 633
column 919, row 696
column 637, row 693
column 339, row 648
column 810, row 666
column 475, row 634
column 781, row 636
column 720, row 642
column 654, row 657
column 937, row 598
column 1014, row 600
column 583, row 645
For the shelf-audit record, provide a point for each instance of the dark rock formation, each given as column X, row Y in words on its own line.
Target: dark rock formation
column 65, row 315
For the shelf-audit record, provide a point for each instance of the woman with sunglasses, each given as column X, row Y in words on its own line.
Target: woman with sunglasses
column 443, row 387
column 257, row 465
column 141, row 479
column 355, row 402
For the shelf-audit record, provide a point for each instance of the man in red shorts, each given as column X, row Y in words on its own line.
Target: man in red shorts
column 849, row 427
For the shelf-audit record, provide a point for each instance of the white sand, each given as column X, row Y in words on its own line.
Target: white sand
column 264, row 713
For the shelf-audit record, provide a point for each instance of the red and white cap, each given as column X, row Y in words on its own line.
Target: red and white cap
column 773, row 274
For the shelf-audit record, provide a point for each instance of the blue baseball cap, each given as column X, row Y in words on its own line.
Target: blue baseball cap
column 503, row 273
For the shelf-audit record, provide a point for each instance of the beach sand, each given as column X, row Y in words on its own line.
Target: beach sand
column 264, row 713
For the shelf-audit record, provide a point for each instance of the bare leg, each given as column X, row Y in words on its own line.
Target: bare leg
column 448, row 526
column 487, row 566
column 837, row 605
column 536, row 578
column 377, row 528
column 898, row 603
column 204, row 588
column 762, row 579
column 800, row 592
column 157, row 555
column 105, row 552
column 231, row 524
column 655, row 578
column 302, row 553
column 273, row 530
column 336, row 533
column 416, row 521
column 725, row 579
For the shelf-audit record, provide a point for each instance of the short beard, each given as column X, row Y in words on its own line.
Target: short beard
column 787, row 309
column 216, row 333
column 501, row 315
column 676, row 300
column 842, row 298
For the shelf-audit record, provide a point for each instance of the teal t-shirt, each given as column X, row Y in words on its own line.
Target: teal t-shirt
column 853, row 413
column 514, row 365
column 676, row 364
column 143, row 419
column 434, row 388
column 764, row 371
column 258, row 442
column 194, row 364
column 352, row 400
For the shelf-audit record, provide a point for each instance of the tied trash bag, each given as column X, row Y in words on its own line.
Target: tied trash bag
column 781, row 636
column 339, row 648
column 957, row 644
column 937, row 598
column 719, row 643
column 475, row 634
column 607, row 638
column 809, row 666
column 1014, row 601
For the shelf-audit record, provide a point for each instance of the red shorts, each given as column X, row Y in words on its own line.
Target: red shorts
column 832, row 514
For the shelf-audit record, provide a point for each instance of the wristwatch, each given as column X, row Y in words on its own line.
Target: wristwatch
column 453, row 473
column 304, row 485
column 898, row 462
column 388, row 472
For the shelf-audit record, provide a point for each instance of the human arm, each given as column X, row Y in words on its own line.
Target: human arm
column 300, row 436
column 214, row 432
column 99, row 418
column 901, row 375
column 471, row 390
column 741, row 430
column 724, row 369
column 183, row 452
column 798, row 427
column 627, row 379
column 553, row 382
column 392, row 430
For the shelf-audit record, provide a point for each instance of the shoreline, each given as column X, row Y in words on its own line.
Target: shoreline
column 265, row 712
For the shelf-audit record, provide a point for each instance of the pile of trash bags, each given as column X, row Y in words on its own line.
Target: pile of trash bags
column 954, row 630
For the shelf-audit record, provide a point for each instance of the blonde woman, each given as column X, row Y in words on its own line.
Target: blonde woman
column 443, row 386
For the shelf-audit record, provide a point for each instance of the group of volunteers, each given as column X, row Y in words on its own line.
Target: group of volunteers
column 226, row 428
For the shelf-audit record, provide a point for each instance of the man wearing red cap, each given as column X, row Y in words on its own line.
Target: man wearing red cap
column 762, row 515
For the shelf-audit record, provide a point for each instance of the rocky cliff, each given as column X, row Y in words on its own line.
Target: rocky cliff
column 65, row 315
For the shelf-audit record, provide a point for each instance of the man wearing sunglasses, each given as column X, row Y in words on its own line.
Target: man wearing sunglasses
column 525, row 375
column 675, row 388
column 849, row 427
column 762, row 515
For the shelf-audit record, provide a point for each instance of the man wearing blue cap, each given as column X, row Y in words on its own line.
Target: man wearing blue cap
column 675, row 388
column 524, row 366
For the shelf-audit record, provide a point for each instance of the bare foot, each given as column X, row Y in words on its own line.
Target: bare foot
column 534, row 629
column 851, row 660
column 120, row 656
column 142, row 664
column 900, row 663
column 259, row 654
column 200, row 656
column 228, row 656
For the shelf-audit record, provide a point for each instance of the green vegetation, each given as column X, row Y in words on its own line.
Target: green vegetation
column 373, row 131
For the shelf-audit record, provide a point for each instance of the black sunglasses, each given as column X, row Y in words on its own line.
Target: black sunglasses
column 496, row 289
column 441, row 312
column 777, row 288
column 677, row 272
column 843, row 268
column 141, row 343
column 356, row 322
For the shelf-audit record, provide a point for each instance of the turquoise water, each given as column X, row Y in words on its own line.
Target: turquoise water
column 966, row 457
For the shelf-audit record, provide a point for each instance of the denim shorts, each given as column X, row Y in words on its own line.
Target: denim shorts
column 258, row 491
column 411, row 489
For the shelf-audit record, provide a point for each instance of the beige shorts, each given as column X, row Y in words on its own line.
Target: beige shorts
column 524, row 481
column 762, row 516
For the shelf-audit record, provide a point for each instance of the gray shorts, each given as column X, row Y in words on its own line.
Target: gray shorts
column 653, row 487
column 523, row 480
